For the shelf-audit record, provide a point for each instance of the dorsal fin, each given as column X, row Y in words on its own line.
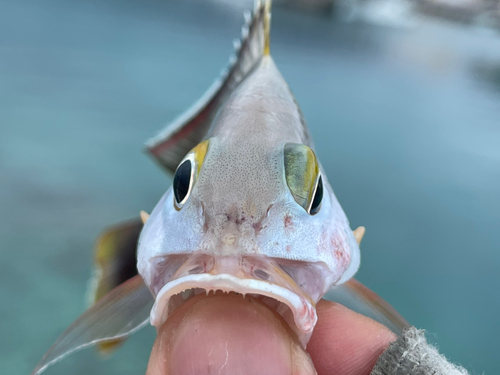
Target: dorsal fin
column 267, row 25
column 178, row 138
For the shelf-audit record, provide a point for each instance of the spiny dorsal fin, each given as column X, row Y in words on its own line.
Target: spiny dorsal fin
column 267, row 26
column 179, row 137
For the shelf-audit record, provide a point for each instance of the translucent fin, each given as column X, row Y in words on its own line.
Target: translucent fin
column 174, row 142
column 115, row 263
column 267, row 25
column 120, row 313
column 115, row 257
column 359, row 298
column 107, row 348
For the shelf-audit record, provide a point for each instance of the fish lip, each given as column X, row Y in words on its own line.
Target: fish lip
column 304, row 312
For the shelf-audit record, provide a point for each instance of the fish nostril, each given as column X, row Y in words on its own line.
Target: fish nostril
column 258, row 225
column 261, row 274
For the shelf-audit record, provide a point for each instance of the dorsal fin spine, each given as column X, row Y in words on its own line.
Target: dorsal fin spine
column 267, row 27
column 171, row 145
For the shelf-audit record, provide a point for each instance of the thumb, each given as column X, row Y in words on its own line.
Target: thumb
column 227, row 334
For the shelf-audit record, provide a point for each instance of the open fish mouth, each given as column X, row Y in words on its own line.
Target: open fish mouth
column 258, row 276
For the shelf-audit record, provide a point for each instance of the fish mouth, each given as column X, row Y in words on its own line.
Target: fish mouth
column 245, row 276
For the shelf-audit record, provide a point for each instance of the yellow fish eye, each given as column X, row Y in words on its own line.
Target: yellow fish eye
column 303, row 177
column 187, row 172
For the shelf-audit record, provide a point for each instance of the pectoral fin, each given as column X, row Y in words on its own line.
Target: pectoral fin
column 115, row 263
column 115, row 257
column 179, row 137
column 117, row 315
column 359, row 298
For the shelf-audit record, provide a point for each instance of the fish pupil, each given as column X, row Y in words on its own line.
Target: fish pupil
column 182, row 180
column 318, row 197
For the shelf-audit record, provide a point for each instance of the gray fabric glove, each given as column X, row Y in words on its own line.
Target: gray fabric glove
column 411, row 354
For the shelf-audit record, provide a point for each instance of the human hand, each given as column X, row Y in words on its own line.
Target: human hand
column 228, row 334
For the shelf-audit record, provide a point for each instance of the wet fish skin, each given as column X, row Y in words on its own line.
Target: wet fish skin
column 240, row 208
column 242, row 227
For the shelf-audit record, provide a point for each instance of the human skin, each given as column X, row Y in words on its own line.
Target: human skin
column 231, row 334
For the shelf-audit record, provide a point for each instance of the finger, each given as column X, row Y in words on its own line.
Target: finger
column 225, row 334
column 345, row 342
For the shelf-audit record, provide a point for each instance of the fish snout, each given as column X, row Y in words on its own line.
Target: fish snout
column 230, row 234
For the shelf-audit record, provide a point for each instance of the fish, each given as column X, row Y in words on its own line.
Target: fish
column 250, row 211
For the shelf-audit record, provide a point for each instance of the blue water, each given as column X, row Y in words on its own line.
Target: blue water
column 406, row 123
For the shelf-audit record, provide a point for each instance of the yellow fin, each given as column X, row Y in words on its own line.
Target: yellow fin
column 267, row 27
column 107, row 348
column 115, row 257
column 359, row 232
column 115, row 260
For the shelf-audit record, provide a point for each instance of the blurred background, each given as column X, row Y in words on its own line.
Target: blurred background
column 403, row 101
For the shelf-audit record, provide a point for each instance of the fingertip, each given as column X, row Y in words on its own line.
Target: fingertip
column 227, row 334
column 345, row 342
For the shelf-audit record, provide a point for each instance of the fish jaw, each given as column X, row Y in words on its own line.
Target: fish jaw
column 259, row 276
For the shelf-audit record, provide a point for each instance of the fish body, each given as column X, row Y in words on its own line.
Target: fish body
column 243, row 227
column 250, row 211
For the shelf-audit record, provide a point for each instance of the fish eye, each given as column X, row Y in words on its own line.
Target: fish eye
column 187, row 172
column 182, row 181
column 303, row 177
column 318, row 197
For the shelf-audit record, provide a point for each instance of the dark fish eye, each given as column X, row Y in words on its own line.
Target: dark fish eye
column 187, row 172
column 318, row 197
column 182, row 181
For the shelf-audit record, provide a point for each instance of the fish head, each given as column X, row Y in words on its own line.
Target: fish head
column 250, row 209
column 251, row 215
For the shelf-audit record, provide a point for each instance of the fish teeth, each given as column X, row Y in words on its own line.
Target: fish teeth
column 187, row 294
